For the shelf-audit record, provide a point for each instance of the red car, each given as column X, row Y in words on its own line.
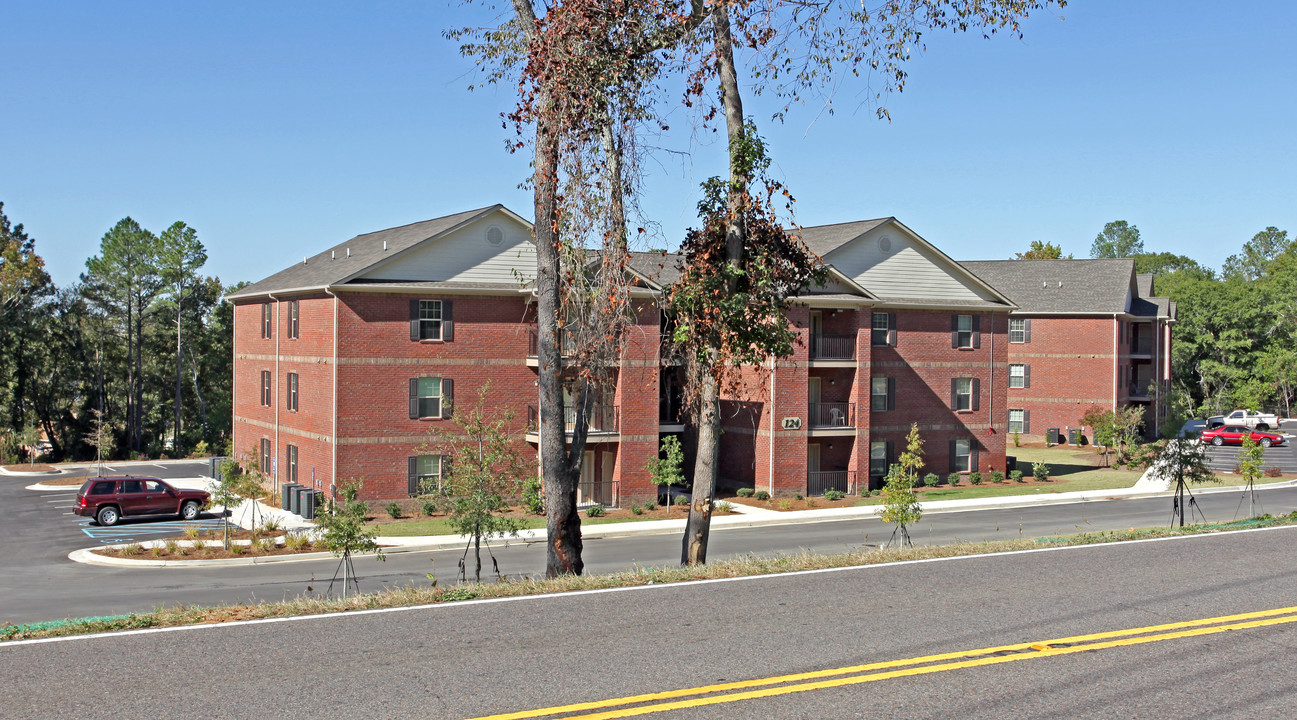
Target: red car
column 108, row 499
column 1234, row 434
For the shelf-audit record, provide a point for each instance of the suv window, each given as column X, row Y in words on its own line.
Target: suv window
column 102, row 488
column 153, row 486
column 132, row 486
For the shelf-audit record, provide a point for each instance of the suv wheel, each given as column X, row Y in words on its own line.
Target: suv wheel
column 189, row 511
column 108, row 515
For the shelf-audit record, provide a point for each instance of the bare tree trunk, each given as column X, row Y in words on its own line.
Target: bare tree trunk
column 698, row 526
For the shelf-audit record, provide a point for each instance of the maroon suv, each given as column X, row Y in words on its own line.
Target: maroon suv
column 108, row 499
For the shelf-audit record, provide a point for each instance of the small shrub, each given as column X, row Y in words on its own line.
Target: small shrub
column 238, row 549
column 723, row 506
column 394, row 510
column 932, row 479
column 1017, row 441
column 172, row 547
column 975, row 478
column 761, row 495
column 1040, row 471
column 192, row 532
column 834, row 495
column 158, row 550
column 920, row 481
column 785, row 504
column 650, row 506
column 532, row 497
column 133, row 549
column 595, row 511
column 428, row 507
column 953, row 479
column 271, row 525
column 1273, row 471
column 297, row 541
column 997, row 476
column 636, row 510
column 797, row 496
column 200, row 545
column 1016, row 476
column 745, row 492
column 680, row 500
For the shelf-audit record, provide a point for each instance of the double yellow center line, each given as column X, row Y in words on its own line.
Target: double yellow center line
column 634, row 705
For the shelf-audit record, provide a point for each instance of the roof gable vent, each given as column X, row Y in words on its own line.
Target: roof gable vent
column 494, row 235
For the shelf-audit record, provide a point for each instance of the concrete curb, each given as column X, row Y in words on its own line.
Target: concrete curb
column 33, row 473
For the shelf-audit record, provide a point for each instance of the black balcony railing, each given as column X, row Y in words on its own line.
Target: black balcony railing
column 833, row 347
column 533, row 344
column 818, row 483
column 670, row 410
column 832, row 415
column 602, row 419
column 599, row 492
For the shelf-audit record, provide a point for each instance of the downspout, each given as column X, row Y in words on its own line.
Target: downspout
column 333, row 470
column 990, row 394
column 1116, row 361
column 770, row 466
column 274, row 454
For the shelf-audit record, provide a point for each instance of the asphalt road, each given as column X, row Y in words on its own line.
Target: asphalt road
column 474, row 659
column 40, row 583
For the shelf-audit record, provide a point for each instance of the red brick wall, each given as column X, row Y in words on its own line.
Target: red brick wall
column 1072, row 368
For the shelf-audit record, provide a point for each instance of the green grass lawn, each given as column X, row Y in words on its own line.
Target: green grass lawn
column 441, row 526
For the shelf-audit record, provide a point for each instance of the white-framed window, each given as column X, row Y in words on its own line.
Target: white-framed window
column 1017, row 375
column 880, row 393
column 962, row 455
column 265, row 456
column 963, row 394
column 426, row 473
column 878, row 458
column 291, row 453
column 267, row 320
column 428, row 397
column 265, row 388
column 881, row 329
column 429, row 319
column 293, row 315
column 292, row 391
column 1017, row 421
column 963, row 331
column 1019, row 330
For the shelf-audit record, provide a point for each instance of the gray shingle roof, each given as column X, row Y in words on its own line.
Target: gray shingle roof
column 1060, row 286
column 662, row 268
column 824, row 239
column 335, row 265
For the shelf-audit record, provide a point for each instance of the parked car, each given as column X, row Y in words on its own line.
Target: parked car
column 1234, row 434
column 108, row 499
column 1191, row 428
column 1252, row 418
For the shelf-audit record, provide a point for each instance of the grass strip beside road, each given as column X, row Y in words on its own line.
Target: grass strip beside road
column 746, row 566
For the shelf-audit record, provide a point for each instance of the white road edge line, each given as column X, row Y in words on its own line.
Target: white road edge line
column 602, row 591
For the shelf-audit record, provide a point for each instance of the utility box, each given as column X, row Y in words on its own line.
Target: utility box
column 286, row 495
column 1010, row 463
column 214, row 467
column 1053, row 436
column 1075, row 437
column 295, row 500
column 308, row 502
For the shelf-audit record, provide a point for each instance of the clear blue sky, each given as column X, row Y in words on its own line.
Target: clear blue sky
column 279, row 129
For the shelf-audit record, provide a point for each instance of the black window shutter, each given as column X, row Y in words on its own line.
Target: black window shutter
column 447, row 321
column 447, row 396
column 972, row 456
column 954, row 393
column 1026, row 421
column 954, row 331
column 412, row 475
column 891, row 393
column 1026, row 330
column 414, row 319
column 953, row 466
column 891, row 329
column 1026, row 376
column 977, row 391
column 414, row 398
column 977, row 331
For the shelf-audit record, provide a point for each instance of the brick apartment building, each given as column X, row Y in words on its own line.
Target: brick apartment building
column 1085, row 333
column 346, row 365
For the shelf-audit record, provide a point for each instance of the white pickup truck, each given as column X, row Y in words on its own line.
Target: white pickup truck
column 1252, row 419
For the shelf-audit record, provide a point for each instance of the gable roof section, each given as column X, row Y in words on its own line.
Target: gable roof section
column 890, row 262
column 361, row 253
column 1102, row 286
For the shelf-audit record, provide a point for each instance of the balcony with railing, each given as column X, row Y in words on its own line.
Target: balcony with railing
column 833, row 347
column 818, row 483
column 832, row 416
column 602, row 420
column 533, row 344
column 671, row 410
column 597, row 492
